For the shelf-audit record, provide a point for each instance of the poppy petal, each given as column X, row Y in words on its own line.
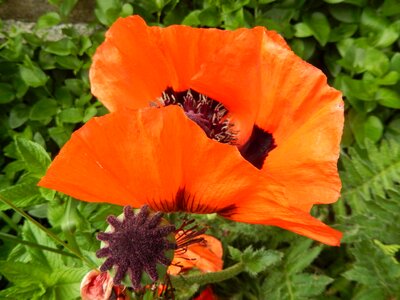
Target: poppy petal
column 136, row 63
column 157, row 156
column 262, row 211
column 205, row 257
column 154, row 156
column 305, row 117
column 128, row 69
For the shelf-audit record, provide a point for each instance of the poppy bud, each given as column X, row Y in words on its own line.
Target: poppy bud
column 96, row 285
column 141, row 245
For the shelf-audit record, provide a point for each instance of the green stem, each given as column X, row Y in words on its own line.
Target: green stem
column 5, row 236
column 9, row 221
column 70, row 225
column 88, row 262
column 205, row 278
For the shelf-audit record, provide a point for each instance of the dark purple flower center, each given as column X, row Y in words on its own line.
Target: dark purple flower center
column 209, row 114
column 213, row 118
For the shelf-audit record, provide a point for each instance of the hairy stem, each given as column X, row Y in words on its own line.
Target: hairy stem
column 206, row 278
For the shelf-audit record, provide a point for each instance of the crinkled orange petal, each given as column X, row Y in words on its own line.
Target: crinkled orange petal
column 159, row 157
column 262, row 211
column 305, row 117
column 136, row 63
column 206, row 257
column 128, row 69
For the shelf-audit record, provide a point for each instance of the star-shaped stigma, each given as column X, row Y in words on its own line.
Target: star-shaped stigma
column 136, row 245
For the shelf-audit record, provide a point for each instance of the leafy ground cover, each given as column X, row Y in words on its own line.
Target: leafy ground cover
column 45, row 96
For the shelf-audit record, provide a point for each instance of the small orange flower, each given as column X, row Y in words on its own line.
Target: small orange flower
column 207, row 121
column 205, row 256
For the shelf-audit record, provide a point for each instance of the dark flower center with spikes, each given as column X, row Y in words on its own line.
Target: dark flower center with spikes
column 137, row 244
column 213, row 118
column 208, row 113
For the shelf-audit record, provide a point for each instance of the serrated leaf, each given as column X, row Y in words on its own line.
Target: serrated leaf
column 64, row 283
column 301, row 256
column 22, row 195
column 374, row 269
column 309, row 285
column 257, row 261
column 34, row 156
column 28, row 292
column 47, row 259
column 368, row 177
column 20, row 273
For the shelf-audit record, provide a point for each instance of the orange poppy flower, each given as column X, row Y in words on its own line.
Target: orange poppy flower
column 255, row 135
column 206, row 256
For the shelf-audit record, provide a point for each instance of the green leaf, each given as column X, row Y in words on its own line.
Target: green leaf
column 319, row 25
column 75, row 86
column 33, row 76
column 67, row 6
column 7, row 93
column 302, row 30
column 255, row 261
column 395, row 62
column 20, row 273
column 342, row 32
column 310, row 285
column 43, row 109
column 90, row 112
column 60, row 135
column 107, row 11
column 304, row 48
column 210, row 17
column 357, row 89
column 48, row 20
column 373, row 128
column 390, row 8
column 373, row 268
column 61, row 47
column 376, row 61
column 47, row 259
column 388, row 97
column 64, row 283
column 28, row 292
column 34, row 156
column 371, row 176
column 390, row 78
column 126, row 10
column 378, row 29
column 23, row 194
column 71, row 115
column 300, row 256
column 345, row 13
column 69, row 62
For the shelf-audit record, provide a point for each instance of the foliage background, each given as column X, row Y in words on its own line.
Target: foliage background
column 44, row 96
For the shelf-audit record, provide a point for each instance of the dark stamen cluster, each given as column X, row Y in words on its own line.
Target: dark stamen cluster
column 188, row 236
column 208, row 113
column 137, row 244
